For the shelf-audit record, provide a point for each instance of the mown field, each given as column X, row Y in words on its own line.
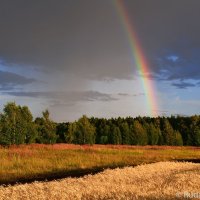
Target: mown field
column 160, row 181
column 26, row 163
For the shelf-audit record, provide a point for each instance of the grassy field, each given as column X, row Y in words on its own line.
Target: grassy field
column 39, row 162
column 162, row 180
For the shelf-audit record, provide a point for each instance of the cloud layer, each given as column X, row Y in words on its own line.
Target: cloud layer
column 72, row 97
column 81, row 50
column 9, row 80
column 169, row 34
column 69, row 36
column 75, row 37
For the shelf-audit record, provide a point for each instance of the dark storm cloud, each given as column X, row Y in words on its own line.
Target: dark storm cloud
column 81, row 37
column 87, row 38
column 69, row 97
column 8, row 80
column 169, row 34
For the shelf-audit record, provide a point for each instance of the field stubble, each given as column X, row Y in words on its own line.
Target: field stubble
column 162, row 180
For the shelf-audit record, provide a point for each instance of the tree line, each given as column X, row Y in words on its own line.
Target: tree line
column 17, row 126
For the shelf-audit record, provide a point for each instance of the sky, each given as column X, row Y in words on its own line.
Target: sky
column 74, row 57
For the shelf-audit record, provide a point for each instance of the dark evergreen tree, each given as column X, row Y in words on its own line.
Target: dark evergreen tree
column 138, row 135
column 116, row 135
column 104, row 139
column 194, row 132
column 178, row 141
column 168, row 133
column 152, row 133
column 61, row 131
column 196, row 136
column 125, row 133
column 183, row 126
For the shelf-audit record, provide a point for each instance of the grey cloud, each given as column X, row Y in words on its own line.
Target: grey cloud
column 64, row 35
column 74, row 36
column 139, row 94
column 182, row 69
column 130, row 95
column 7, row 87
column 67, row 97
column 150, row 76
column 183, row 85
column 162, row 111
column 8, row 80
column 168, row 29
column 123, row 94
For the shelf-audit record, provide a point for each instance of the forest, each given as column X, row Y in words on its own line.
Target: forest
column 17, row 126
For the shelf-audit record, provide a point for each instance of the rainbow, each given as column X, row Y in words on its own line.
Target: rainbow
column 139, row 57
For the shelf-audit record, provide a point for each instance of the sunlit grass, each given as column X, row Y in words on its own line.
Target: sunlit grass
column 34, row 161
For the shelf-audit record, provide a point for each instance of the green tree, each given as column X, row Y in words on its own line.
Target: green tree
column 17, row 125
column 195, row 130
column 46, row 129
column 183, row 126
column 27, row 125
column 196, row 136
column 125, row 133
column 104, row 134
column 152, row 133
column 70, row 134
column 168, row 133
column 138, row 134
column 178, row 141
column 61, row 130
column 84, row 131
column 116, row 135
column 161, row 139
column 104, row 139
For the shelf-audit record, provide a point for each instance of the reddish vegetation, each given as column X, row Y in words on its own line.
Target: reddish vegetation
column 62, row 146
column 28, row 162
column 96, row 146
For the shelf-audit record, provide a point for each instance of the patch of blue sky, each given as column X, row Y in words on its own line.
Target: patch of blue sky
column 29, row 72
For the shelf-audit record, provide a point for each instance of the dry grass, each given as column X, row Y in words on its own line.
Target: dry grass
column 36, row 161
column 162, row 180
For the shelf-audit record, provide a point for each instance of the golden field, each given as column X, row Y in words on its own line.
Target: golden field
column 162, row 180
column 39, row 162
